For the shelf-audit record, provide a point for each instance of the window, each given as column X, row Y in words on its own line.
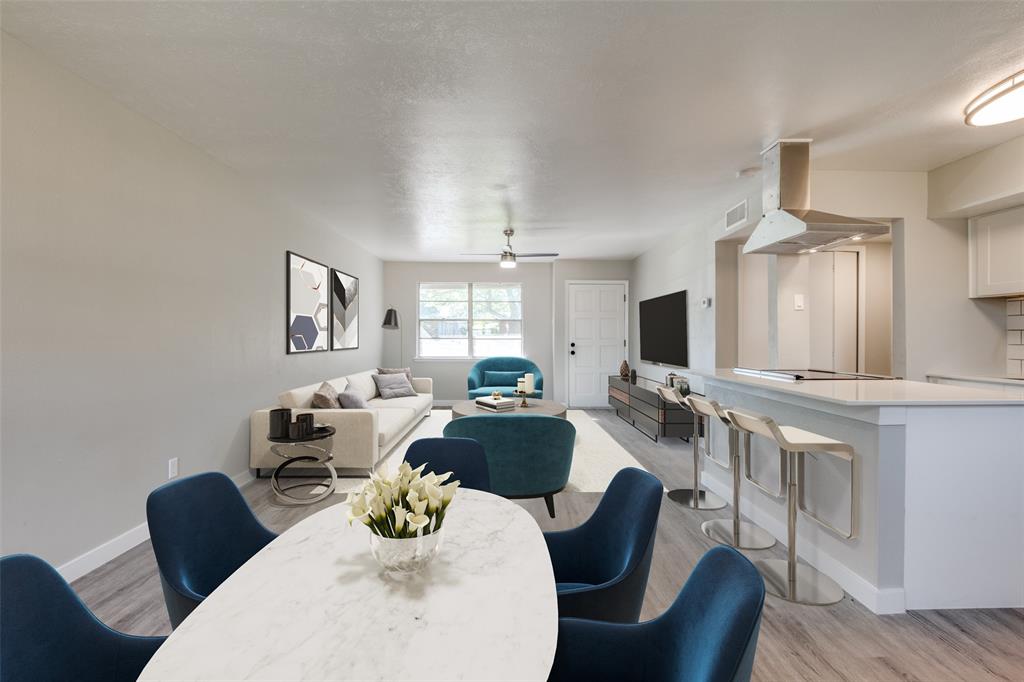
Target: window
column 470, row 320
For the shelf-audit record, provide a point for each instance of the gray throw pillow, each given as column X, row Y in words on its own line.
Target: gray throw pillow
column 407, row 371
column 326, row 397
column 393, row 386
column 351, row 400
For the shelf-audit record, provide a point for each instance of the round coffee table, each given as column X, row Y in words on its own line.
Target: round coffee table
column 315, row 456
column 535, row 406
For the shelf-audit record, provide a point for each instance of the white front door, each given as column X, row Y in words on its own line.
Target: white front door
column 596, row 340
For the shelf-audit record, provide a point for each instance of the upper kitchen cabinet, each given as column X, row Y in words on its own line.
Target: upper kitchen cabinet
column 997, row 253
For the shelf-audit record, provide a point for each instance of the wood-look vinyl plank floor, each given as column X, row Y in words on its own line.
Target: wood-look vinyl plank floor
column 844, row 641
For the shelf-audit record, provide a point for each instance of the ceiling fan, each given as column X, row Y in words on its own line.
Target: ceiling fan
column 507, row 257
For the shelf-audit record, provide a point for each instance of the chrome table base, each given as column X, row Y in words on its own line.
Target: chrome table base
column 809, row 585
column 321, row 459
column 747, row 536
column 706, row 499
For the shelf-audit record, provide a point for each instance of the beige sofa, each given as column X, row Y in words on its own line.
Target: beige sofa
column 363, row 436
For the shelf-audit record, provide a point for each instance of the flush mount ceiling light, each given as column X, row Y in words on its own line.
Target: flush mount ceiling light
column 1001, row 103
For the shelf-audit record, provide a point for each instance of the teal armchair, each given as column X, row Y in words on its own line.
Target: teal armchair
column 528, row 455
column 500, row 374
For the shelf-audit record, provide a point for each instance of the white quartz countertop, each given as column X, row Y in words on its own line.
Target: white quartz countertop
column 1003, row 381
column 870, row 392
column 313, row 605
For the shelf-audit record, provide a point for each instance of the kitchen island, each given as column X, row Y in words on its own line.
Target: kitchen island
column 939, row 486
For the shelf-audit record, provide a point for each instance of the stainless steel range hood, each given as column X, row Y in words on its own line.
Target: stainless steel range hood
column 789, row 224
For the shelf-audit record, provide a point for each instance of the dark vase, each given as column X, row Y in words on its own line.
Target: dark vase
column 279, row 421
column 305, row 421
column 632, row 376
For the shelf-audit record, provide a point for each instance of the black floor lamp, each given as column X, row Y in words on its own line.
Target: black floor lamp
column 391, row 322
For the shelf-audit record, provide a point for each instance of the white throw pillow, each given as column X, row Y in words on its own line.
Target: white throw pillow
column 362, row 384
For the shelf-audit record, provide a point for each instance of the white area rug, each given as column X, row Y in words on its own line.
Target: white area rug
column 595, row 460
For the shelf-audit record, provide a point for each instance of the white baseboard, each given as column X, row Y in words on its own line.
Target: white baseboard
column 108, row 551
column 878, row 600
column 111, row 549
column 243, row 478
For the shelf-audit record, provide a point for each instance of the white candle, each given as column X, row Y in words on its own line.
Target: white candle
column 529, row 382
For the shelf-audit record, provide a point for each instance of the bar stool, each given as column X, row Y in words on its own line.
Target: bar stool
column 694, row 497
column 732, row 532
column 789, row 579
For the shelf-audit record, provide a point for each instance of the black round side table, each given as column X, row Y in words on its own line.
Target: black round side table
column 315, row 455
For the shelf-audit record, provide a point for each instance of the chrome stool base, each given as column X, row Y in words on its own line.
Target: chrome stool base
column 750, row 536
column 811, row 586
column 706, row 499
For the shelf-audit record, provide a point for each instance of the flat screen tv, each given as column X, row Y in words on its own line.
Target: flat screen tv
column 663, row 330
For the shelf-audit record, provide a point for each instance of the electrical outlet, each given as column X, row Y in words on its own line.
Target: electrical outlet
column 798, row 301
column 172, row 468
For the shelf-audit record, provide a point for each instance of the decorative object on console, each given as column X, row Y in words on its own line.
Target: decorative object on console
column 405, row 531
column 280, row 418
column 326, row 397
column 393, row 386
column 308, row 304
column 632, row 376
column 624, row 370
column 344, row 311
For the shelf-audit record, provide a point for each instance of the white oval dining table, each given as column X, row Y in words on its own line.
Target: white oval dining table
column 314, row 605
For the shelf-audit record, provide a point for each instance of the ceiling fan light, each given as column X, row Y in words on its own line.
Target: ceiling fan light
column 1001, row 103
column 508, row 260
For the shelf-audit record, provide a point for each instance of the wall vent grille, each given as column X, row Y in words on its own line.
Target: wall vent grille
column 736, row 216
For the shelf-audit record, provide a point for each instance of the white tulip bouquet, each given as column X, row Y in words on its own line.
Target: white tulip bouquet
column 406, row 505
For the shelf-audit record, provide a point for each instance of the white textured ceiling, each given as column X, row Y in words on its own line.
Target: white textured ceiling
column 604, row 125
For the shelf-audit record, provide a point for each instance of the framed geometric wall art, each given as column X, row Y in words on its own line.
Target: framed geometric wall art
column 308, row 285
column 344, row 311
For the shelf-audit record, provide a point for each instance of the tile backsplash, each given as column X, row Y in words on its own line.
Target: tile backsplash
column 1015, row 337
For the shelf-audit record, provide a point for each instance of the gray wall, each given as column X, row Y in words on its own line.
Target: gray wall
column 684, row 261
column 143, row 292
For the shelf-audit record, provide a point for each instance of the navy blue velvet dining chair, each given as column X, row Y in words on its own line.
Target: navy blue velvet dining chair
column 464, row 457
column 202, row 531
column 601, row 567
column 709, row 634
column 47, row 633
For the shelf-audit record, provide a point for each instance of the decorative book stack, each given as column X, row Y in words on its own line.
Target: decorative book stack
column 496, row 404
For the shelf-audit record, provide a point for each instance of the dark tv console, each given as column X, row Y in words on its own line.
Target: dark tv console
column 640, row 405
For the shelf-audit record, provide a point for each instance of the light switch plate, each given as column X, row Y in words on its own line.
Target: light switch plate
column 172, row 468
column 798, row 301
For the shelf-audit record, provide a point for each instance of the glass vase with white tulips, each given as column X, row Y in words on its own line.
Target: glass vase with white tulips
column 405, row 514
